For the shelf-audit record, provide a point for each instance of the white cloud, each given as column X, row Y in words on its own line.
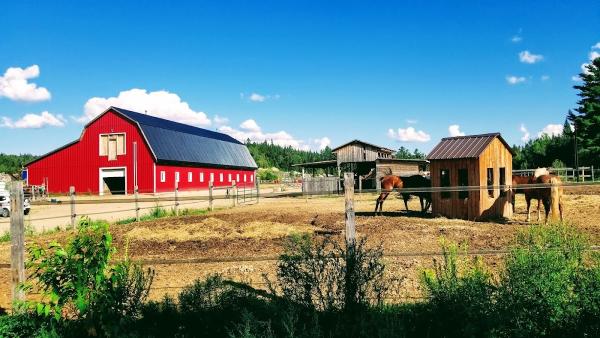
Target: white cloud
column 527, row 57
column 14, row 85
column 250, row 125
column 575, row 78
column 34, row 121
column 256, row 97
column 250, row 129
column 513, row 80
column 584, row 66
column 411, row 121
column 409, row 134
column 454, row 130
column 220, row 121
column 160, row 103
column 594, row 54
column 596, row 46
column 516, row 39
column 322, row 142
column 525, row 132
column 545, row 77
column 552, row 130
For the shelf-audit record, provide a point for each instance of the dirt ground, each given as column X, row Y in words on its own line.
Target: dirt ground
column 251, row 236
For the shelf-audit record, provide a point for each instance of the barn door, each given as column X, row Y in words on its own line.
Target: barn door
column 112, row 149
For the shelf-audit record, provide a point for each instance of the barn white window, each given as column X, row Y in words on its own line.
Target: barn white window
column 251, row 178
column 212, row 177
column 112, row 145
column 229, row 177
column 221, row 177
column 177, row 176
column 163, row 177
column 237, row 178
column 189, row 176
column 201, row 177
column 244, row 178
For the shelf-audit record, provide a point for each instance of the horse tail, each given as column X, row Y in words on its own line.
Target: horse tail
column 555, row 195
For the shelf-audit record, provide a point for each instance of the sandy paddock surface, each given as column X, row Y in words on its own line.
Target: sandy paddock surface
column 255, row 234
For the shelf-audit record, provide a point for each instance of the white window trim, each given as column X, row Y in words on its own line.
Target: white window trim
column 244, row 178
column 101, row 184
column 190, row 176
column 237, row 178
column 163, row 176
column 177, row 177
column 212, row 177
column 221, row 177
column 201, row 177
column 229, row 177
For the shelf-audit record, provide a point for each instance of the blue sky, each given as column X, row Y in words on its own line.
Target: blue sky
column 299, row 72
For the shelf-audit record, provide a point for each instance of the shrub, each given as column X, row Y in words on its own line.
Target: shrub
column 459, row 295
column 77, row 282
column 313, row 274
column 537, row 293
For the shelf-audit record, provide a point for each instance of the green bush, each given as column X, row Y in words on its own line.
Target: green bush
column 77, row 281
column 459, row 295
column 537, row 290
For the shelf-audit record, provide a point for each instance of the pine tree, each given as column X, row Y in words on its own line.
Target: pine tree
column 587, row 117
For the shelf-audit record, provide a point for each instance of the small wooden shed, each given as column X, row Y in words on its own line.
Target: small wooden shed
column 475, row 160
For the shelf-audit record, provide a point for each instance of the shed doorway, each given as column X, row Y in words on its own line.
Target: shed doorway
column 113, row 181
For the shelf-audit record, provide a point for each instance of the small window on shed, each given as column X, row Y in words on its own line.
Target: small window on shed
column 190, row 174
column 490, row 181
column 502, row 178
column 163, row 177
column 463, row 181
column 212, row 177
column 201, row 177
column 177, row 176
column 445, row 182
column 237, row 179
column 229, row 177
column 221, row 177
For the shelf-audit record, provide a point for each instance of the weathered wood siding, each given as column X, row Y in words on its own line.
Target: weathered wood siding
column 396, row 168
column 320, row 185
column 478, row 204
column 357, row 152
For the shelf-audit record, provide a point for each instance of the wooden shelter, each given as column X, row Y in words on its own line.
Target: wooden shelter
column 483, row 161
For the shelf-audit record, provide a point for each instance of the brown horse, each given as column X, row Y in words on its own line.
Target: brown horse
column 417, row 181
column 388, row 184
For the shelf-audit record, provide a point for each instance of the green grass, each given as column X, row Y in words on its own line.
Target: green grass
column 160, row 212
column 5, row 237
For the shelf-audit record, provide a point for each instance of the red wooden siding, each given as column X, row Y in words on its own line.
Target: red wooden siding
column 170, row 173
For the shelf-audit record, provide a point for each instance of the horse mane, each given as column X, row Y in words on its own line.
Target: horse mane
column 541, row 171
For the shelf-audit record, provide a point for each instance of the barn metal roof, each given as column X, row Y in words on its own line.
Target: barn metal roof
column 178, row 143
column 470, row 146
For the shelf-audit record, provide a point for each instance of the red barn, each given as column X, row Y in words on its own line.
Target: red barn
column 120, row 148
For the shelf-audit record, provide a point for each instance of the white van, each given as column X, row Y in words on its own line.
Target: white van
column 5, row 204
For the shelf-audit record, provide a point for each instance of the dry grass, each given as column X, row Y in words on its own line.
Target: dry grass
column 212, row 228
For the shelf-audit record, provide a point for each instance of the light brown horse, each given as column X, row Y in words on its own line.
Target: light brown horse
column 546, row 195
column 541, row 194
column 388, row 184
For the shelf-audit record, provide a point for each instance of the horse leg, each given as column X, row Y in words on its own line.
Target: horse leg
column 528, row 200
column 560, row 209
column 422, row 205
column 539, row 207
column 384, row 196
column 546, row 209
column 405, row 197
column 378, row 202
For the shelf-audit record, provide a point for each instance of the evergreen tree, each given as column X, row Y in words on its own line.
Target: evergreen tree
column 587, row 117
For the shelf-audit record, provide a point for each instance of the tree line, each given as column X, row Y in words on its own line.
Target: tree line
column 12, row 164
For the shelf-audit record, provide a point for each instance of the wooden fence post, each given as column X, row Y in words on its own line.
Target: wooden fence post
column 137, row 207
column 593, row 180
column 234, row 192
column 351, row 287
column 210, row 195
column 257, row 183
column 555, row 200
column 72, row 201
column 17, row 240
column 176, row 198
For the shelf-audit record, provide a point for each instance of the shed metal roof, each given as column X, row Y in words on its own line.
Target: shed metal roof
column 470, row 146
column 173, row 142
